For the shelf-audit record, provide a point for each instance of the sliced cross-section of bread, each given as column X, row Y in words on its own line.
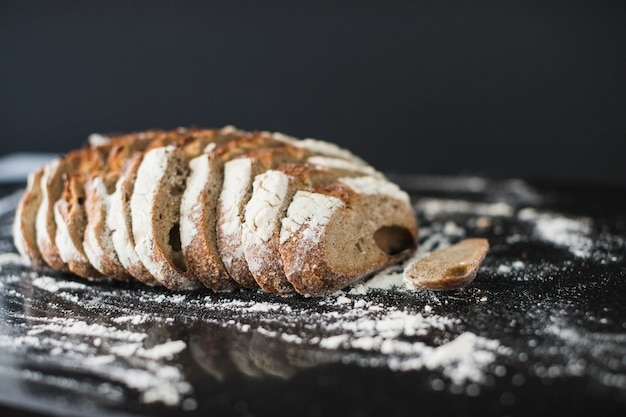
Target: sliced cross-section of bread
column 24, row 230
column 339, row 233
column 217, row 208
column 269, row 199
column 154, row 210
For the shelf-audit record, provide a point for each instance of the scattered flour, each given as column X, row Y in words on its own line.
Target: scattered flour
column 433, row 207
column 51, row 284
column 567, row 232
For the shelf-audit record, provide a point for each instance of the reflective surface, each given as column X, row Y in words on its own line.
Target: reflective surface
column 542, row 328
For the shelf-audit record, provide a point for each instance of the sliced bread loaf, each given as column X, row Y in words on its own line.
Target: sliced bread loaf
column 217, row 208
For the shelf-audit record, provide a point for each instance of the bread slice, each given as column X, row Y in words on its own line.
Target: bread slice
column 154, row 210
column 24, row 230
column 339, row 233
column 52, row 186
column 262, row 213
column 97, row 243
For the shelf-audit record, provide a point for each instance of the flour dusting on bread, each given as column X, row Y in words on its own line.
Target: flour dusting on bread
column 220, row 208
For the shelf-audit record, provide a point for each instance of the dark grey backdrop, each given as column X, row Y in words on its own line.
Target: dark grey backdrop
column 531, row 89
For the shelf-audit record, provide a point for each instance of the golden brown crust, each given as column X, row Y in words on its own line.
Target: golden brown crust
column 99, row 197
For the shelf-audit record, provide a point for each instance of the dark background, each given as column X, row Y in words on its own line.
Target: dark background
column 505, row 89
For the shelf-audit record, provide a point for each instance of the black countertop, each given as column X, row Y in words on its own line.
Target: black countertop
column 541, row 331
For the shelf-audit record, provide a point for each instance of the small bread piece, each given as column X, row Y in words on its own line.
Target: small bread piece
column 448, row 268
column 24, row 230
column 338, row 233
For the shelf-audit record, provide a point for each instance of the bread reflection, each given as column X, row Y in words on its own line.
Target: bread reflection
column 223, row 351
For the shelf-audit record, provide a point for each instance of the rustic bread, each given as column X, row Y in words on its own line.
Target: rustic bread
column 218, row 208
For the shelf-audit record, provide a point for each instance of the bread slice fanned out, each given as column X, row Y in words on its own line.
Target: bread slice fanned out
column 24, row 230
column 70, row 218
column 220, row 208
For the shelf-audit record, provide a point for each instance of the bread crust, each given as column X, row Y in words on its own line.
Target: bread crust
column 220, row 208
